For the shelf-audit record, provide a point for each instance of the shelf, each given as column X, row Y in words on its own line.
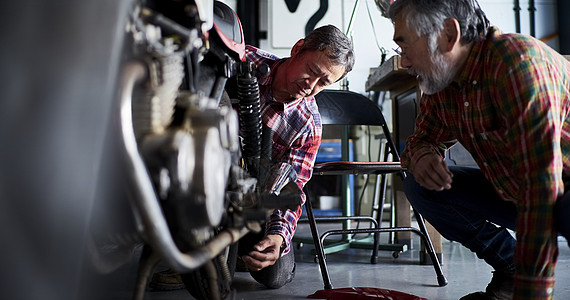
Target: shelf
column 389, row 75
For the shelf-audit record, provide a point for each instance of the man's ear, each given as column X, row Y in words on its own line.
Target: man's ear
column 297, row 47
column 451, row 33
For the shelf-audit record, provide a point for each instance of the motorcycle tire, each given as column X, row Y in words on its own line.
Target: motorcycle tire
column 213, row 280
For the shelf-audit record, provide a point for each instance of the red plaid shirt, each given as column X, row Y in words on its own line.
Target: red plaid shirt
column 510, row 109
column 297, row 132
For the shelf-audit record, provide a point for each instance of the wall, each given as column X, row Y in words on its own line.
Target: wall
column 372, row 32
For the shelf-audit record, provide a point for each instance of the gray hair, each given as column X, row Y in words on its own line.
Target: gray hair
column 337, row 45
column 426, row 17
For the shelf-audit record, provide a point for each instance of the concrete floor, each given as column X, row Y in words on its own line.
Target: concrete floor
column 351, row 268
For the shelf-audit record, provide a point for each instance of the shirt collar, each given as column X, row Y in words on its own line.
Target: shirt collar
column 474, row 66
column 287, row 107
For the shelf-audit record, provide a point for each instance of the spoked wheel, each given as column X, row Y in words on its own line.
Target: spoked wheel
column 213, row 280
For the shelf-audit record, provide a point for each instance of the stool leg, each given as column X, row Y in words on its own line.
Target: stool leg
column 318, row 244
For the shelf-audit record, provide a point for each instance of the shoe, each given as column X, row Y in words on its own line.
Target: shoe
column 501, row 287
column 168, row 280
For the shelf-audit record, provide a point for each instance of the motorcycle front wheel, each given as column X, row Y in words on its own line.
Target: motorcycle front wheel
column 213, row 280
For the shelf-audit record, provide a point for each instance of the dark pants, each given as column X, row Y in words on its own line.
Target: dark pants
column 562, row 215
column 276, row 275
column 467, row 213
column 473, row 214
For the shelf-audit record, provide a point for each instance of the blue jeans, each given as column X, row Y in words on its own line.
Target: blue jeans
column 473, row 214
column 562, row 215
column 470, row 213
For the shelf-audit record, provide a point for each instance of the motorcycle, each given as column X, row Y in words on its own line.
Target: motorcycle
column 195, row 170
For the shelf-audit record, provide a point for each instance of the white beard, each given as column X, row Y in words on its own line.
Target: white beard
column 441, row 75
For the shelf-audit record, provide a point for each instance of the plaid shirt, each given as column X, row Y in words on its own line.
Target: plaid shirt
column 510, row 108
column 297, row 132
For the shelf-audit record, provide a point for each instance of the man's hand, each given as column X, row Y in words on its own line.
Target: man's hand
column 431, row 172
column 265, row 253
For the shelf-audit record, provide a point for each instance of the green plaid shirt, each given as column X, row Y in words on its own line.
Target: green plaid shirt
column 509, row 108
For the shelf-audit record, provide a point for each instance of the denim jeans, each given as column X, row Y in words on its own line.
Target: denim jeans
column 562, row 215
column 471, row 213
column 276, row 275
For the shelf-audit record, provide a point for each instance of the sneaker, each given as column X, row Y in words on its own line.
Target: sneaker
column 168, row 280
column 501, row 287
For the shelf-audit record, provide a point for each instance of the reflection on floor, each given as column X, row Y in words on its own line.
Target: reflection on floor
column 464, row 271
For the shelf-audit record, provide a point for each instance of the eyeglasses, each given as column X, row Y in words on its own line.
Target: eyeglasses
column 402, row 50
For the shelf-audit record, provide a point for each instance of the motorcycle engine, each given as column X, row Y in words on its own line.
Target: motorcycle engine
column 188, row 159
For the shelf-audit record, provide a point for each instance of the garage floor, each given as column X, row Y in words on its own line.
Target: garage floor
column 352, row 268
